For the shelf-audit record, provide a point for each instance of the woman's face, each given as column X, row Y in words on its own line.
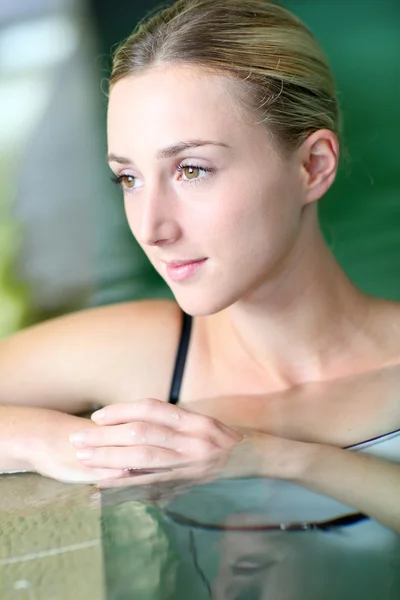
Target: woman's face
column 201, row 182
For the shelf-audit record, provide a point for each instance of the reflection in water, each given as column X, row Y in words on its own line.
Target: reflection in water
column 167, row 559
column 244, row 536
column 309, row 565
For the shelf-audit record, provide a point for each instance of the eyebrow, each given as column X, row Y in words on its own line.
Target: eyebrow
column 169, row 151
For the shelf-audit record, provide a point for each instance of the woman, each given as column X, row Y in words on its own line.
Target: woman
column 223, row 131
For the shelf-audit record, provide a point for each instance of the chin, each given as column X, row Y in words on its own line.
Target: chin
column 202, row 305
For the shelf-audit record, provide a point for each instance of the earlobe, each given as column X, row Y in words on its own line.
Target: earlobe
column 320, row 162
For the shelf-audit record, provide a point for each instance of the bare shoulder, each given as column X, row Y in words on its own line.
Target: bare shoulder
column 117, row 323
column 106, row 354
column 136, row 342
column 146, row 318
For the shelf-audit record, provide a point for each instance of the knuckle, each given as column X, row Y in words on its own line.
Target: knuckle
column 218, row 433
column 215, row 425
column 137, row 432
column 210, row 428
column 150, row 403
column 204, row 424
column 148, row 406
column 132, row 430
column 203, row 449
column 145, row 457
column 165, row 435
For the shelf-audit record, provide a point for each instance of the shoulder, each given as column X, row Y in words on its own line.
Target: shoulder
column 110, row 354
column 135, row 343
column 116, row 322
column 139, row 317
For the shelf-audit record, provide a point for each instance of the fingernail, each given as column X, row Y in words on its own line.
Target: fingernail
column 99, row 415
column 86, row 454
column 78, row 438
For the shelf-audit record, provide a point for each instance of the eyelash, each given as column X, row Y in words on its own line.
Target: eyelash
column 117, row 179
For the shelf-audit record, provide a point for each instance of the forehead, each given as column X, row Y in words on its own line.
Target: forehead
column 170, row 103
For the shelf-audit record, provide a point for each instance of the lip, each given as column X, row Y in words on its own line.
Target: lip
column 178, row 263
column 178, row 270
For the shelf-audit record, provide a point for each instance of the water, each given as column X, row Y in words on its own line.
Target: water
column 227, row 541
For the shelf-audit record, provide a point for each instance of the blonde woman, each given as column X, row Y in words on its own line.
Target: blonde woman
column 223, row 133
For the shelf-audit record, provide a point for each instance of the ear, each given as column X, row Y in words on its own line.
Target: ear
column 319, row 155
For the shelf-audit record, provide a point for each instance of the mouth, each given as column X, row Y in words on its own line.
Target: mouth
column 179, row 270
column 179, row 263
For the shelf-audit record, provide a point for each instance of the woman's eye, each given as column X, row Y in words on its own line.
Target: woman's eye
column 192, row 172
column 127, row 181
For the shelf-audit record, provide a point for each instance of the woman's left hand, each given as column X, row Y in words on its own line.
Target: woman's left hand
column 154, row 441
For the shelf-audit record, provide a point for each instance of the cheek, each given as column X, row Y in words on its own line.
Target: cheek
column 132, row 215
column 259, row 224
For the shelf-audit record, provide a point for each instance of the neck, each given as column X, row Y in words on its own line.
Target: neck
column 306, row 322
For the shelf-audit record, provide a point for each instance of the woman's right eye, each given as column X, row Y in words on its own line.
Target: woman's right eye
column 127, row 182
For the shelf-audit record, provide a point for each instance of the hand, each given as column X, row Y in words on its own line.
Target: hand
column 154, row 441
column 50, row 453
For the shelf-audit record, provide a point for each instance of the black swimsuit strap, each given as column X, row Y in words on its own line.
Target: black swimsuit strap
column 180, row 359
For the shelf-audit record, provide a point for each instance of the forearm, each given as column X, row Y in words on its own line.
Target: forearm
column 370, row 485
column 14, row 424
column 22, row 430
column 367, row 484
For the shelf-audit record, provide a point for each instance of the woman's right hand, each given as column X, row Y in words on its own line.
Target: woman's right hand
column 38, row 440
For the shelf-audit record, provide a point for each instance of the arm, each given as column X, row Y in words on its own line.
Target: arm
column 35, row 439
column 92, row 357
column 370, row 485
column 13, row 456
column 50, row 365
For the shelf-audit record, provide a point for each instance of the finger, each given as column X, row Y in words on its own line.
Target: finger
column 144, row 409
column 136, row 457
column 169, row 415
column 144, row 434
column 130, row 434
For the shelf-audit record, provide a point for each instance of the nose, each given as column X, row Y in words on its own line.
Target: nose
column 157, row 222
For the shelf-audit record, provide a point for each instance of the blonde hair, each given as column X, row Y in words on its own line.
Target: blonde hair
column 280, row 67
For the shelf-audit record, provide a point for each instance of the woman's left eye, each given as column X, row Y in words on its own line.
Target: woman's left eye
column 192, row 173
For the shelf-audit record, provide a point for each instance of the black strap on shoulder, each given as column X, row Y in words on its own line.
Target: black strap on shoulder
column 180, row 359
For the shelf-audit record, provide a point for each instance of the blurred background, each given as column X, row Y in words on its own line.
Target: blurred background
column 64, row 241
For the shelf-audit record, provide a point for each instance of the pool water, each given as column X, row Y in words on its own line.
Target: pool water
column 233, row 540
